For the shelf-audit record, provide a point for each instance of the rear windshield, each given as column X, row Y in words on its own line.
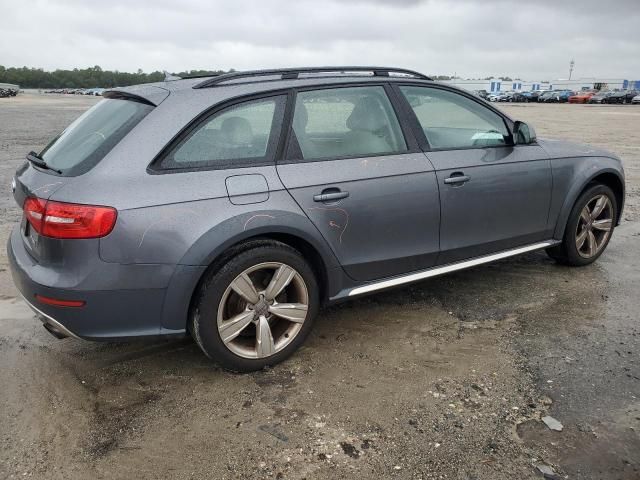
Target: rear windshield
column 87, row 140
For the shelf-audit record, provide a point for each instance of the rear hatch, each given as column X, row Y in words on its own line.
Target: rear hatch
column 75, row 151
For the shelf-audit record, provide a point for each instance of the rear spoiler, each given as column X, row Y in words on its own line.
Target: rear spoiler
column 147, row 94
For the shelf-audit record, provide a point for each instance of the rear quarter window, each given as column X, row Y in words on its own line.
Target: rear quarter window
column 244, row 134
column 89, row 138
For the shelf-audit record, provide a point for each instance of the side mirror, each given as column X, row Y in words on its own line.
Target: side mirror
column 523, row 134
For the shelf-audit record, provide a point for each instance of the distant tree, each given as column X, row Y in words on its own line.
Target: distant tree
column 200, row 73
column 84, row 78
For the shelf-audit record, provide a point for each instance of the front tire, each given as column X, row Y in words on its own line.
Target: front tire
column 257, row 309
column 589, row 227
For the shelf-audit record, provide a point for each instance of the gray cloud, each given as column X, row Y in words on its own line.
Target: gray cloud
column 470, row 38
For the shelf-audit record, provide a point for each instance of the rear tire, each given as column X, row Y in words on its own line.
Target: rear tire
column 257, row 309
column 589, row 227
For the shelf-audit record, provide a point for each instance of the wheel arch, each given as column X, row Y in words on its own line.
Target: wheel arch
column 611, row 177
column 295, row 240
column 201, row 258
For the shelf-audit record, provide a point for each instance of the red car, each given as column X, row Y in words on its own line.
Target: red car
column 581, row 97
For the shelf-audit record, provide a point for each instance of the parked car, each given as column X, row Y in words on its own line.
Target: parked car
column 507, row 96
column 528, row 97
column 621, row 96
column 481, row 93
column 520, row 97
column 513, row 97
column 600, row 97
column 582, row 97
column 635, row 100
column 94, row 91
column 545, row 95
column 497, row 96
column 8, row 90
column 233, row 207
column 535, row 95
column 558, row 96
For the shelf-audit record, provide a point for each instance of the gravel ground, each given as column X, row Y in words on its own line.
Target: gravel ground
column 445, row 379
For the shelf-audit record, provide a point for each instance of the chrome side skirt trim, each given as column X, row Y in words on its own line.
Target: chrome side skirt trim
column 452, row 267
column 48, row 319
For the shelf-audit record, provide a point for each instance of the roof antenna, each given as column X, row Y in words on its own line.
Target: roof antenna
column 169, row 77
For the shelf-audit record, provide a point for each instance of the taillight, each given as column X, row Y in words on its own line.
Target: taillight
column 69, row 220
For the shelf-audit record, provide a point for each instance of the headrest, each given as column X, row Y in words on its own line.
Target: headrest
column 237, row 131
column 366, row 116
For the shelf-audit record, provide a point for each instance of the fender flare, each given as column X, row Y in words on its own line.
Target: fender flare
column 250, row 225
column 579, row 183
column 201, row 255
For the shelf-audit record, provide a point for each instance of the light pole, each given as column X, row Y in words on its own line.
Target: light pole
column 572, row 64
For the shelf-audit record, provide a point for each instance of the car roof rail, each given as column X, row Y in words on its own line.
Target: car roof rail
column 294, row 73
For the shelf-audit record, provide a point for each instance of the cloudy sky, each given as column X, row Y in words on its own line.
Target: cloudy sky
column 473, row 38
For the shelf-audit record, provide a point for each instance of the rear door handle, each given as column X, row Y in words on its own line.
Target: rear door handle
column 330, row 195
column 457, row 178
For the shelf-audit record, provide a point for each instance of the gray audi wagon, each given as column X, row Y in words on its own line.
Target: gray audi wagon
column 233, row 207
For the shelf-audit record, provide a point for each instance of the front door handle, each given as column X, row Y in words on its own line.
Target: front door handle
column 457, row 178
column 330, row 195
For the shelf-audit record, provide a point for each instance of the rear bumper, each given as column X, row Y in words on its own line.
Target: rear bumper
column 110, row 311
column 51, row 324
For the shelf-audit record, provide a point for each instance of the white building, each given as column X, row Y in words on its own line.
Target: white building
column 591, row 83
column 497, row 85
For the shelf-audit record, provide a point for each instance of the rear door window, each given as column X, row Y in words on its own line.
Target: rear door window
column 344, row 122
column 243, row 134
column 87, row 140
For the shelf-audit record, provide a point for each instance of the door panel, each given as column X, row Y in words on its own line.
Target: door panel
column 388, row 223
column 359, row 178
column 493, row 195
column 504, row 202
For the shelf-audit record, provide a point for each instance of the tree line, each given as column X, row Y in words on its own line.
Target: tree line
column 85, row 78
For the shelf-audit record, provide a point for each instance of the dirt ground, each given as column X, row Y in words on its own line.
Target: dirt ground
column 445, row 379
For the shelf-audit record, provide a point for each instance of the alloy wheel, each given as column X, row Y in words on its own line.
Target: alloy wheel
column 263, row 310
column 594, row 226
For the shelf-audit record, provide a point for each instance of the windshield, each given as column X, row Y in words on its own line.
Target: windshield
column 88, row 139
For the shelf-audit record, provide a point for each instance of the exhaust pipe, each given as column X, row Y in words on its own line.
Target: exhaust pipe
column 54, row 331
